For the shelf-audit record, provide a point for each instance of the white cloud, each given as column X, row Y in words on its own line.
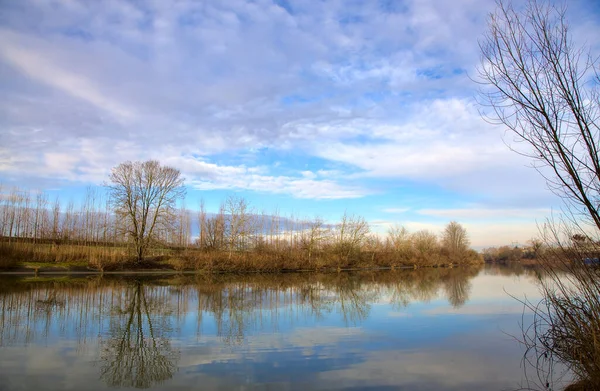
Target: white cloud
column 293, row 186
column 216, row 85
column 202, row 175
column 42, row 68
column 443, row 138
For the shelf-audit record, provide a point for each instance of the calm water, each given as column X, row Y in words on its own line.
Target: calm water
column 439, row 329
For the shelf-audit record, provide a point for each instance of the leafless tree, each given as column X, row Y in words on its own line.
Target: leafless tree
column 350, row 235
column 455, row 241
column 311, row 238
column 545, row 90
column 238, row 224
column 183, row 224
column 275, row 229
column 56, row 220
column 41, row 216
column 426, row 247
column 215, row 232
column 9, row 214
column 145, row 195
column 543, row 87
column 400, row 241
column 202, row 228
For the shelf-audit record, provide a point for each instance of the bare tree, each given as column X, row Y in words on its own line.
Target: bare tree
column 56, row 220
column 455, row 241
column 238, row 225
column 400, row 240
column 202, row 225
column 145, row 194
column 350, row 235
column 10, row 213
column 41, row 212
column 425, row 246
column 544, row 89
column 313, row 235
column 214, row 235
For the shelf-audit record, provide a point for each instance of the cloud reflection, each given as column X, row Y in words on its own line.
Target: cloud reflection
column 421, row 329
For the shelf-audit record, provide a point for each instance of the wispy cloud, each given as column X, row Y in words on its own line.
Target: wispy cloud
column 321, row 100
column 35, row 65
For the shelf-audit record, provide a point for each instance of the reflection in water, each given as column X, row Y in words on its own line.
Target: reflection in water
column 138, row 352
column 135, row 323
column 457, row 290
column 140, row 310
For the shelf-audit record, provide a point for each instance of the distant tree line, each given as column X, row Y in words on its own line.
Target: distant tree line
column 138, row 220
column 513, row 253
column 580, row 247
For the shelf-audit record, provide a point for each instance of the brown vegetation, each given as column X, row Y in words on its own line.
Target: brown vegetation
column 235, row 239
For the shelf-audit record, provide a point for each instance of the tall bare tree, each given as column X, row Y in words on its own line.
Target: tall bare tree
column 312, row 236
column 202, row 225
column 41, row 216
column 145, row 195
column 214, row 236
column 238, row 224
column 544, row 88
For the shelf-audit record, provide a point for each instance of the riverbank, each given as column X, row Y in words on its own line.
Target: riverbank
column 33, row 268
column 45, row 257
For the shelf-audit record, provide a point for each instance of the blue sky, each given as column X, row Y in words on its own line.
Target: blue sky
column 308, row 107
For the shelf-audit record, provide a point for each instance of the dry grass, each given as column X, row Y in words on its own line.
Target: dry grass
column 566, row 326
column 105, row 258
column 94, row 257
column 270, row 261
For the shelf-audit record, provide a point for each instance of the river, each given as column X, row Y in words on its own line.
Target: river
column 425, row 329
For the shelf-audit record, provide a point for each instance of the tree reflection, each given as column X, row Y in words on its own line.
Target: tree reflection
column 354, row 298
column 138, row 353
column 134, row 318
column 243, row 304
column 132, row 321
column 458, row 286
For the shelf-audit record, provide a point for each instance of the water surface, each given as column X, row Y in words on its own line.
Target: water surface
column 431, row 329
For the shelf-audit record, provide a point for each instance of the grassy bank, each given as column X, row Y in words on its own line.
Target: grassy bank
column 113, row 258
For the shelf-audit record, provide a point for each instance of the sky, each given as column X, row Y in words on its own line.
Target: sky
column 311, row 108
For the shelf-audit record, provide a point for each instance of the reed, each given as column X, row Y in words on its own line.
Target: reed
column 566, row 326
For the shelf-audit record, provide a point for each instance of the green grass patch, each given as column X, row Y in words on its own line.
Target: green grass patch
column 55, row 265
